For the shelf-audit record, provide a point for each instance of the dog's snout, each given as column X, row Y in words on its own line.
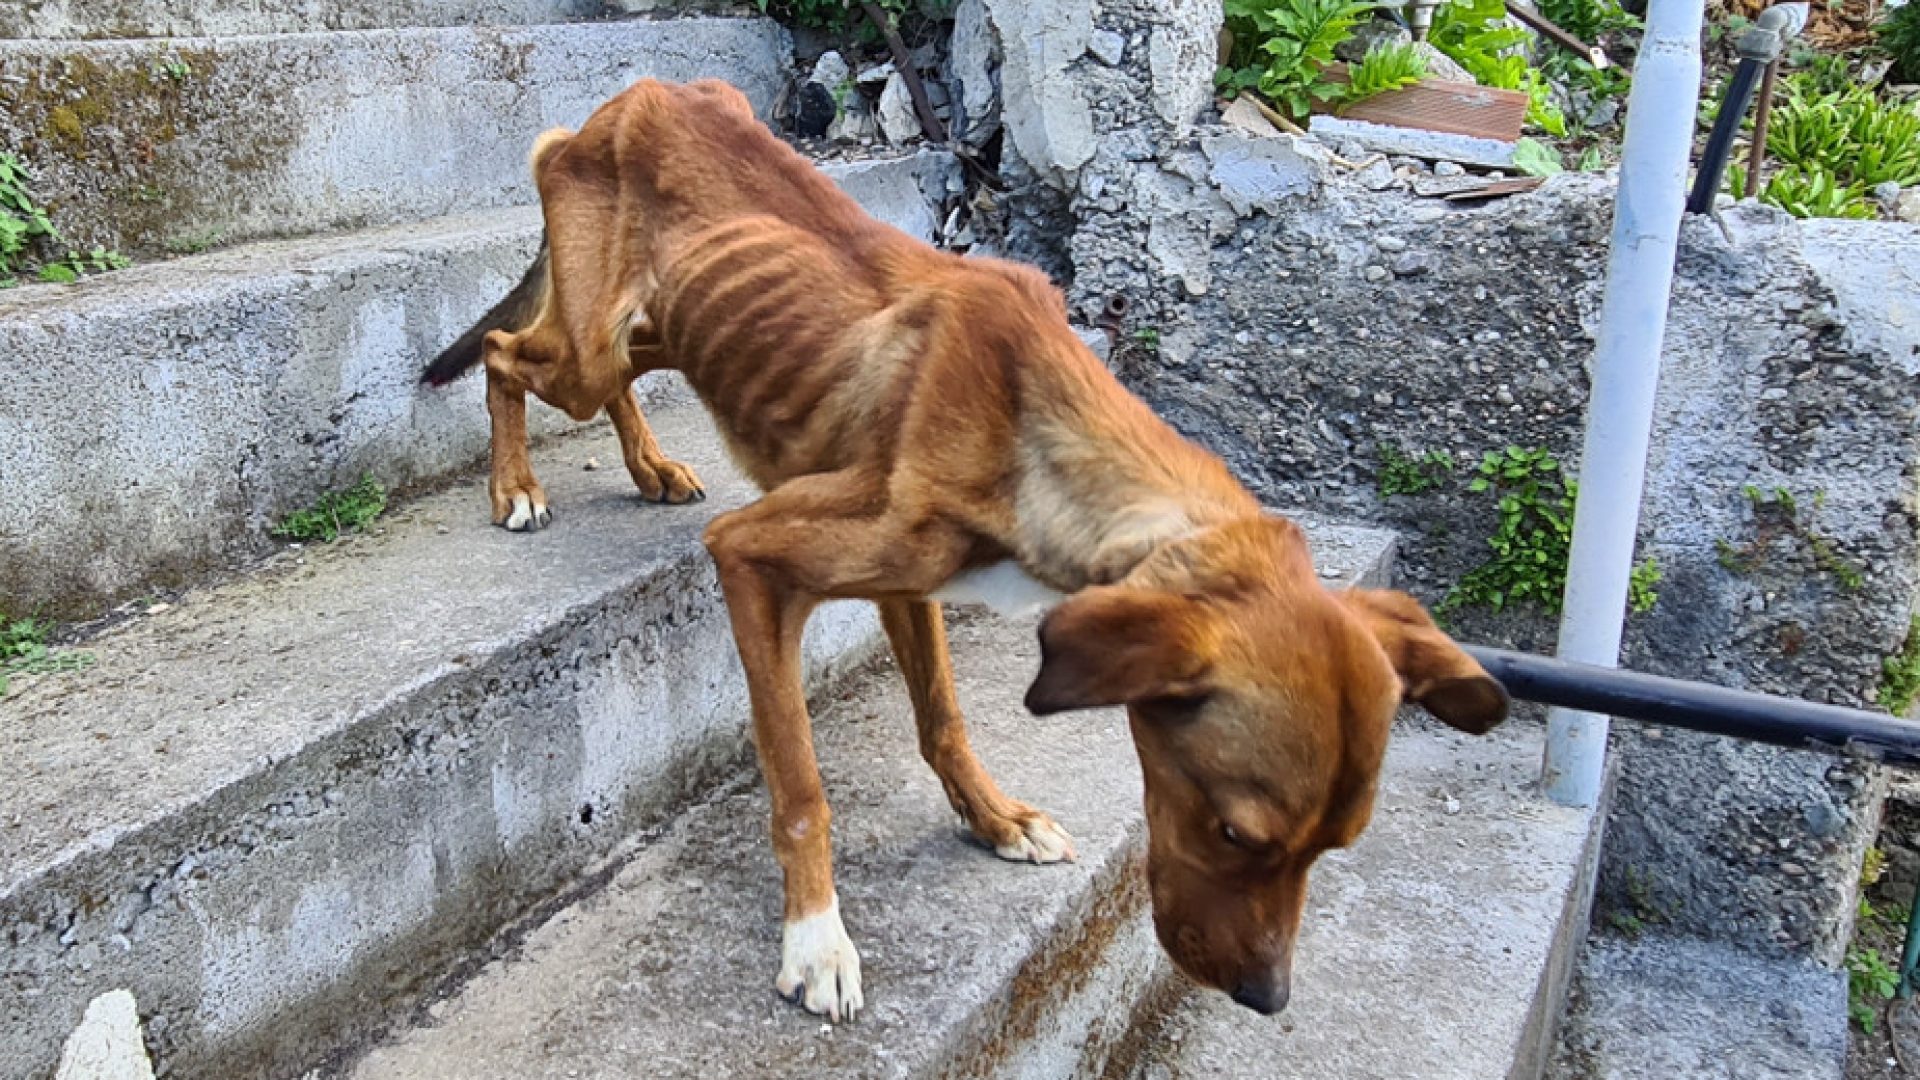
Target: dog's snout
column 1265, row 994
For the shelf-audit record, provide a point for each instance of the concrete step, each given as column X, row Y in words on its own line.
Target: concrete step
column 973, row 966
column 95, row 19
column 1686, row 1009
column 170, row 413
column 1438, row 947
column 153, row 147
column 273, row 809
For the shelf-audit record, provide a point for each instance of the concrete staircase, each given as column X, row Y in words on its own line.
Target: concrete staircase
column 445, row 801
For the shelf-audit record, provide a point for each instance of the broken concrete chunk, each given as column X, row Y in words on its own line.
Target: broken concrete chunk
column 831, row 70
column 1369, row 36
column 1413, row 142
column 1261, row 173
column 1108, row 46
column 1242, row 114
column 1442, row 67
column 108, row 1044
column 898, row 122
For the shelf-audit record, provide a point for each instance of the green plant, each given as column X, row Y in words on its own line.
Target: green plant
column 1392, row 66
column 1900, row 674
column 1535, row 158
column 1643, row 586
column 1403, row 475
column 1777, row 513
column 22, row 221
column 1870, row 981
column 1899, row 38
column 335, row 513
column 1806, row 193
column 194, row 243
column 837, row 16
column 79, row 264
column 24, row 650
column 1280, row 48
column 1148, row 337
column 1530, row 544
column 1834, row 143
column 1589, row 20
column 1476, row 34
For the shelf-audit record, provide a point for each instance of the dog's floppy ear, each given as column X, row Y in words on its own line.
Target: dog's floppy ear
column 1114, row 644
column 1434, row 671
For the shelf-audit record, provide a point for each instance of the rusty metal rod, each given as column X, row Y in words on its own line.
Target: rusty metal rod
column 1592, row 54
column 930, row 124
column 1762, row 112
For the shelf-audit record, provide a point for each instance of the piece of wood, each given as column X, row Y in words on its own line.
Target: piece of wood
column 1481, row 112
column 1495, row 188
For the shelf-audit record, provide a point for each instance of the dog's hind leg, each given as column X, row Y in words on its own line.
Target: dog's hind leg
column 1011, row 828
column 659, row 479
column 519, row 503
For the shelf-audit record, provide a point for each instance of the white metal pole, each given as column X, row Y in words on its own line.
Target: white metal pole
column 1626, row 372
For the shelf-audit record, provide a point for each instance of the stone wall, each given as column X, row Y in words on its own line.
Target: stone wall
column 1299, row 318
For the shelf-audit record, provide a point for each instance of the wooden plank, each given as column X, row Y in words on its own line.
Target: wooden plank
column 1481, row 112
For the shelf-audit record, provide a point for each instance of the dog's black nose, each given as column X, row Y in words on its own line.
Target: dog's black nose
column 1265, row 996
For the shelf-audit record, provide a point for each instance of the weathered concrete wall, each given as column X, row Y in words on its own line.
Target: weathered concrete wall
column 196, row 18
column 159, row 419
column 1304, row 322
column 154, row 146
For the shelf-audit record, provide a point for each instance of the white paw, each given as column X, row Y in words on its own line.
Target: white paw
column 528, row 515
column 817, row 957
column 1041, row 841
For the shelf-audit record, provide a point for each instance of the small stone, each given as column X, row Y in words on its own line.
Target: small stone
column 816, row 111
column 831, row 70
column 1427, row 214
column 1907, row 206
column 1108, row 46
column 1389, row 243
column 1887, row 194
column 898, row 122
column 1376, row 273
column 158, row 608
column 1352, row 149
column 879, row 73
column 1503, row 395
column 1793, row 869
column 1448, row 168
column 1412, row 264
column 592, row 465
column 1441, row 67
column 1378, row 175
column 1369, row 36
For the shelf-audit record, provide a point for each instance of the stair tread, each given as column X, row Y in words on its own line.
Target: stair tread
column 667, row 971
column 232, row 678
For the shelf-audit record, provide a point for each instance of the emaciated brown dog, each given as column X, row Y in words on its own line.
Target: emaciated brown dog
column 927, row 427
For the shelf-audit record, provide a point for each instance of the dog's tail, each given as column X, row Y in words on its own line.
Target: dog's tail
column 519, row 308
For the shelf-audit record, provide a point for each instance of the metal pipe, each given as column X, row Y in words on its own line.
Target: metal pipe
column 1626, row 371
column 1716, row 710
column 1713, row 160
column 1762, row 112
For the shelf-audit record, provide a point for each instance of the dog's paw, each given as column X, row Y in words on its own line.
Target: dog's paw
column 526, row 513
column 667, row 482
column 1039, row 840
column 819, row 967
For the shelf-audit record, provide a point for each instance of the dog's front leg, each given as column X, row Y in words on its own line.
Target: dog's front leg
column 826, row 535
column 819, row 966
column 658, row 478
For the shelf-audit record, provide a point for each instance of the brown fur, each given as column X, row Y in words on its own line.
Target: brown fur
column 910, row 415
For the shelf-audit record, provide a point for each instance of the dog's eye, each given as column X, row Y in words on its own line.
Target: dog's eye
column 1234, row 837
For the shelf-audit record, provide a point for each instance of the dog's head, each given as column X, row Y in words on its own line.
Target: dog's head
column 1260, row 703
